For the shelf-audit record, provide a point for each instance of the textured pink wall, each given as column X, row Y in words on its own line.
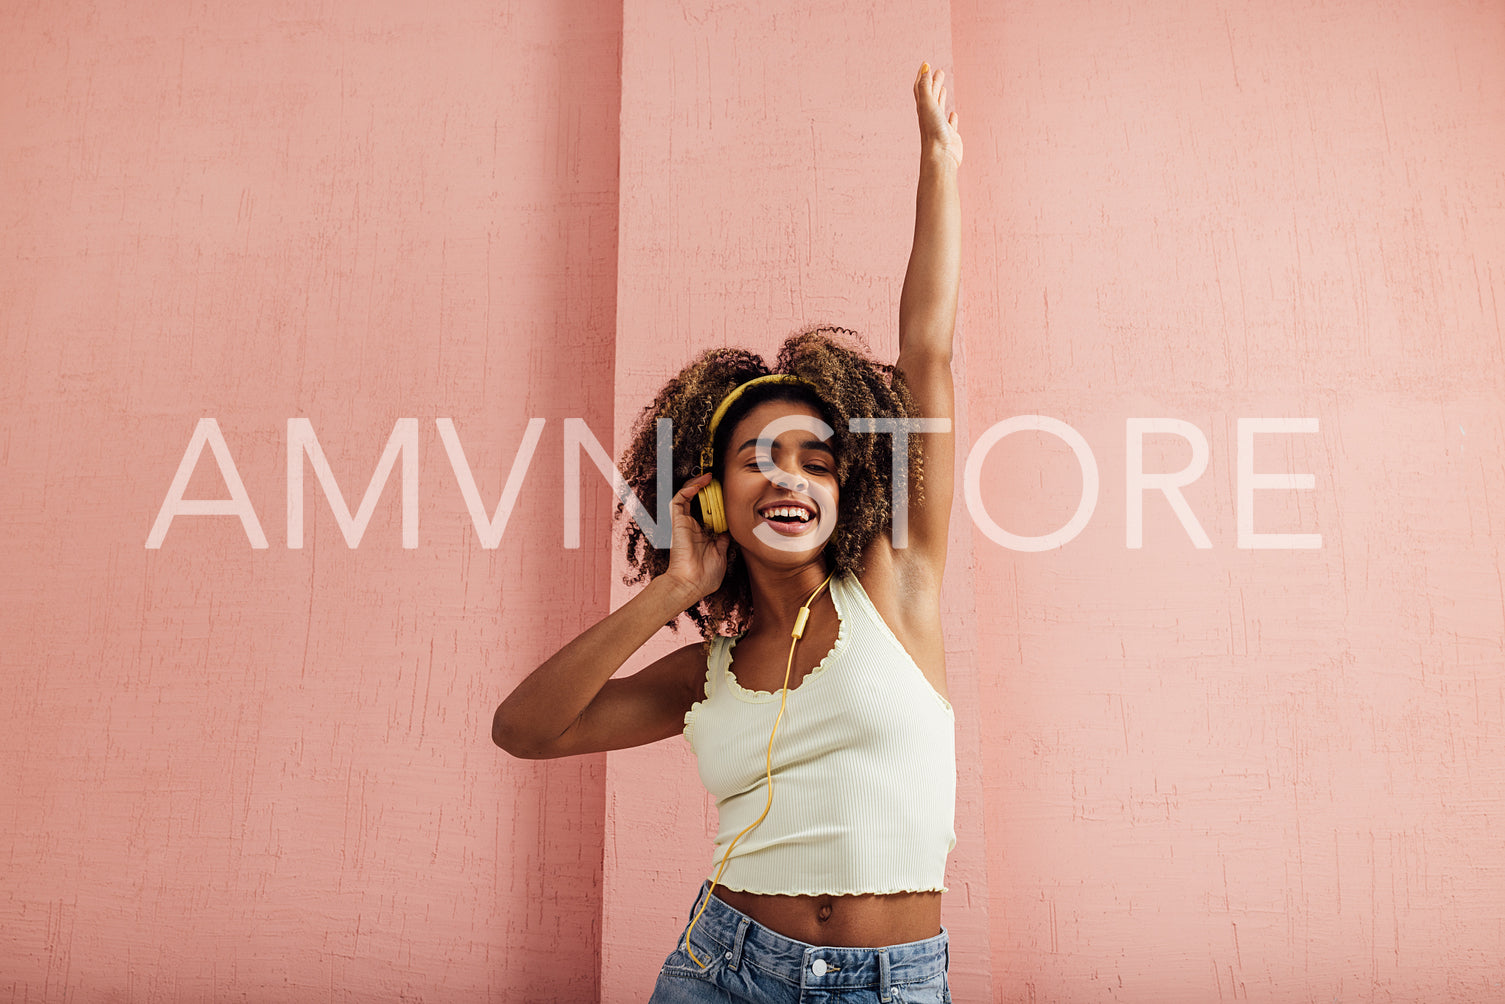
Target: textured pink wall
column 266, row 774
column 1227, row 773
column 1185, row 774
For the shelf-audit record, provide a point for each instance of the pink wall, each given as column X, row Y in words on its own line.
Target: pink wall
column 266, row 774
column 1229, row 773
column 1185, row 774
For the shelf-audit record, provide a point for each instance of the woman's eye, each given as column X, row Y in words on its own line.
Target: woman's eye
column 817, row 468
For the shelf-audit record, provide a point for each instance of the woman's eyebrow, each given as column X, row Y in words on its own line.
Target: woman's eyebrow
column 809, row 444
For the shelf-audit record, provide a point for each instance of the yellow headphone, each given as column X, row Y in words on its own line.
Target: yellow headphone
column 799, row 629
column 712, row 501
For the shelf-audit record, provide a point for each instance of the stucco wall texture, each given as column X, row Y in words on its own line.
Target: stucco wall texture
column 246, row 751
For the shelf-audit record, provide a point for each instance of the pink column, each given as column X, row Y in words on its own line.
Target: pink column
column 768, row 184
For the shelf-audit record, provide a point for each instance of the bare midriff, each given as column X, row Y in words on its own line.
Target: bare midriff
column 866, row 921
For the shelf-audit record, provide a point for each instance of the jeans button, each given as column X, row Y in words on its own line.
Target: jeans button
column 818, row 967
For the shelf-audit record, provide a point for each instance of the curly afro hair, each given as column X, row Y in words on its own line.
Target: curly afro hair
column 844, row 382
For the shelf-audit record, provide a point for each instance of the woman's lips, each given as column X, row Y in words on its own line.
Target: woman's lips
column 789, row 529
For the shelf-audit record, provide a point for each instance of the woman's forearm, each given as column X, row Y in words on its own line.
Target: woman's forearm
column 927, row 306
column 543, row 706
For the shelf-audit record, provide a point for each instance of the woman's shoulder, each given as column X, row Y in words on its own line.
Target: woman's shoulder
column 692, row 664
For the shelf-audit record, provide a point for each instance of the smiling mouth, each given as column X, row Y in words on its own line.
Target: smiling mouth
column 788, row 514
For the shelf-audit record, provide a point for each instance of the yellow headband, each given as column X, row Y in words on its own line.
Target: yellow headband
column 708, row 452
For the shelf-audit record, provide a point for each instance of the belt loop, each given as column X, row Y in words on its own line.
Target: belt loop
column 698, row 893
column 883, row 985
column 734, row 957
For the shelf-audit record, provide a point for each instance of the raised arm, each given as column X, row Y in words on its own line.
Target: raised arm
column 927, row 318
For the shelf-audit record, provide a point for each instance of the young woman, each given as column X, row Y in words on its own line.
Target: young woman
column 784, row 550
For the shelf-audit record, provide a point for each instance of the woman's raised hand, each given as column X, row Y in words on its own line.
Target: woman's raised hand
column 938, row 129
column 697, row 557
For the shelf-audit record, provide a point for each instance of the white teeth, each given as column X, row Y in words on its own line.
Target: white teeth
column 789, row 511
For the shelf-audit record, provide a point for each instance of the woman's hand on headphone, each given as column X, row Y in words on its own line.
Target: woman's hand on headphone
column 697, row 557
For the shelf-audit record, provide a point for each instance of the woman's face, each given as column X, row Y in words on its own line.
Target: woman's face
column 789, row 511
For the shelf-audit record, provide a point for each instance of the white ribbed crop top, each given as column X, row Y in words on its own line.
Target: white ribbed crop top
column 864, row 767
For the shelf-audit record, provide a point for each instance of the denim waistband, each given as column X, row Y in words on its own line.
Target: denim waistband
column 726, row 931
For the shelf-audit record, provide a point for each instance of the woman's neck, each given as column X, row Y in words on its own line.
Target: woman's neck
column 778, row 594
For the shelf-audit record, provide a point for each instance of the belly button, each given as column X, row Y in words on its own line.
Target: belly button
column 824, row 914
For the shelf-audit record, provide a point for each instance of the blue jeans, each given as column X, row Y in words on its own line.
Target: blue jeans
column 746, row 962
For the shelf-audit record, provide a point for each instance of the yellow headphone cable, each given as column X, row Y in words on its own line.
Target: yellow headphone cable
column 799, row 630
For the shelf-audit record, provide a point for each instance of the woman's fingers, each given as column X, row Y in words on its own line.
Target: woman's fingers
column 934, row 89
column 691, row 489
